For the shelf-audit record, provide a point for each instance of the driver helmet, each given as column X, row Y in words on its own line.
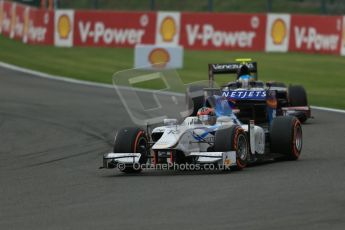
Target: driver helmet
column 207, row 116
column 244, row 77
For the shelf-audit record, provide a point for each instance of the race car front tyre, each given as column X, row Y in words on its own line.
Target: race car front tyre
column 194, row 98
column 233, row 138
column 286, row 137
column 132, row 140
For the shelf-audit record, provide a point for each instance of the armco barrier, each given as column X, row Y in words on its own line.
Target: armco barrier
column 210, row 31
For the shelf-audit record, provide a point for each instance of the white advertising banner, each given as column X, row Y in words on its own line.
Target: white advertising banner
column 168, row 28
column 63, row 28
column 277, row 32
column 166, row 56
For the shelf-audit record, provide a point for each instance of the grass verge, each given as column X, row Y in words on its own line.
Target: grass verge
column 322, row 75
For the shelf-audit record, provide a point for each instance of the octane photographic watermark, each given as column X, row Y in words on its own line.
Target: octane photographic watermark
column 174, row 166
column 151, row 94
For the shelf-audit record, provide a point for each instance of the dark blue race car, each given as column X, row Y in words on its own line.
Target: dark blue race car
column 250, row 98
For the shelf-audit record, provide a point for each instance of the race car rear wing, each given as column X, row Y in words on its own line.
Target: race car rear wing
column 230, row 68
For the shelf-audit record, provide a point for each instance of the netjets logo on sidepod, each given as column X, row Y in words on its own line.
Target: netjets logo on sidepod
column 159, row 57
column 168, row 29
column 278, row 31
column 64, row 26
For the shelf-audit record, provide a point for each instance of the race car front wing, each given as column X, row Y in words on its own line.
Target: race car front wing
column 224, row 159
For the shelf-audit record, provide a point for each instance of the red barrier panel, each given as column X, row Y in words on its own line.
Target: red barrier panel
column 223, row 31
column 31, row 25
column 119, row 29
column 40, row 27
column 310, row 33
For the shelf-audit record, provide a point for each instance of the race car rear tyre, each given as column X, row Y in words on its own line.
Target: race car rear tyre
column 194, row 98
column 297, row 95
column 233, row 138
column 286, row 137
column 132, row 140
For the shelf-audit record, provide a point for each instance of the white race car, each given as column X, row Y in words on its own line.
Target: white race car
column 226, row 143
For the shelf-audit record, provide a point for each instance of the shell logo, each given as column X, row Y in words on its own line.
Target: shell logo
column 278, row 31
column 168, row 29
column 159, row 57
column 64, row 26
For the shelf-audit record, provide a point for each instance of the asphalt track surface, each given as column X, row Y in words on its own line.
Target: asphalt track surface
column 53, row 135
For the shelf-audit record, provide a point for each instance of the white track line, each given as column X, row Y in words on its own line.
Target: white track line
column 88, row 83
column 53, row 77
column 328, row 109
column 75, row 81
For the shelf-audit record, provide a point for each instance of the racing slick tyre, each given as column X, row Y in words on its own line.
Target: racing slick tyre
column 298, row 97
column 132, row 140
column 194, row 98
column 286, row 137
column 233, row 138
